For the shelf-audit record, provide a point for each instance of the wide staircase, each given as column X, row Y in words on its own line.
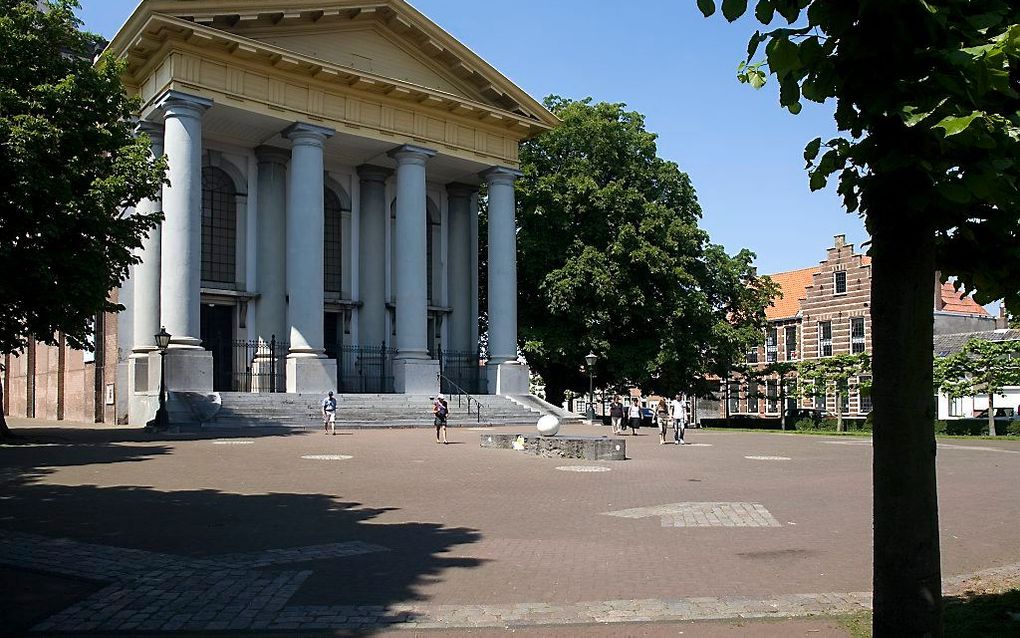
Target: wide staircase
column 242, row 410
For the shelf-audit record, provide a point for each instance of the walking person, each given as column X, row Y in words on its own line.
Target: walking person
column 440, row 411
column 634, row 416
column 662, row 419
column 616, row 415
column 329, row 414
column 678, row 408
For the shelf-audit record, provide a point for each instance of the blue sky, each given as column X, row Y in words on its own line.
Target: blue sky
column 663, row 59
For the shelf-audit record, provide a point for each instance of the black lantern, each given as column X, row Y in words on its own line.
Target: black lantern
column 590, row 359
column 162, row 342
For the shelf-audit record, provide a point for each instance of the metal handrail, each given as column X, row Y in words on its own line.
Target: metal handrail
column 461, row 392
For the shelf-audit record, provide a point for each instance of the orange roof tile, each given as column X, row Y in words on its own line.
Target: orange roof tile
column 960, row 302
column 793, row 283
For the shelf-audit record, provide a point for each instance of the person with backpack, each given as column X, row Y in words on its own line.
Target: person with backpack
column 329, row 414
column 440, row 411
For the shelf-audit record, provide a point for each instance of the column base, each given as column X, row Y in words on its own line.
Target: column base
column 509, row 377
column 187, row 370
column 310, row 375
column 416, row 376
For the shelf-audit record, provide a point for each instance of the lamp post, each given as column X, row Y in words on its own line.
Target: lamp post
column 590, row 359
column 162, row 343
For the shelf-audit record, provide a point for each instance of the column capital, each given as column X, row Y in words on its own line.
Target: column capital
column 411, row 154
column 458, row 189
column 272, row 155
column 500, row 175
column 370, row 173
column 310, row 134
column 178, row 104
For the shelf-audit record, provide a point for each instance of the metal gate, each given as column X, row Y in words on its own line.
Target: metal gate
column 461, row 372
column 249, row 365
column 364, row 369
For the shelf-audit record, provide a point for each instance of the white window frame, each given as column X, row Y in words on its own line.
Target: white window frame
column 854, row 339
column 822, row 341
column 835, row 285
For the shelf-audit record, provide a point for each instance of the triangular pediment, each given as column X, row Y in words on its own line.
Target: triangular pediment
column 369, row 50
column 386, row 40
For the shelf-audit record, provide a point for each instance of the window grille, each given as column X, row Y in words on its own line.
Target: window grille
column 824, row 338
column 772, row 396
column 219, row 227
column 839, row 282
column 332, row 244
column 771, row 338
column 856, row 335
column 752, row 397
column 791, row 343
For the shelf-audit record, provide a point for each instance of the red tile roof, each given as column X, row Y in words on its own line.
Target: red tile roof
column 793, row 283
column 960, row 302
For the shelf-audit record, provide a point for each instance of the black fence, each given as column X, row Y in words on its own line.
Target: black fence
column 461, row 372
column 363, row 369
column 248, row 365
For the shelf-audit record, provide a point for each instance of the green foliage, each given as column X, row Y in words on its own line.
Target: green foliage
column 839, row 374
column 926, row 91
column 980, row 367
column 611, row 260
column 69, row 166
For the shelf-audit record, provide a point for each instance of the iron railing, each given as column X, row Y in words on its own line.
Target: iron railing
column 363, row 369
column 248, row 365
column 454, row 390
column 462, row 370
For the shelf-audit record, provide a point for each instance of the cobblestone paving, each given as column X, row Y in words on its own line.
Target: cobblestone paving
column 704, row 515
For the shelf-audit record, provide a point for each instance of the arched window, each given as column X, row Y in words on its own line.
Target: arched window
column 219, row 226
column 332, row 238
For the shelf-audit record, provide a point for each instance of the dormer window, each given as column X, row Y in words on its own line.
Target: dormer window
column 839, row 282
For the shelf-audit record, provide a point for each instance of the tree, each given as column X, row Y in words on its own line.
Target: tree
column 839, row 373
column 926, row 100
column 785, row 372
column 980, row 367
column 70, row 167
column 611, row 260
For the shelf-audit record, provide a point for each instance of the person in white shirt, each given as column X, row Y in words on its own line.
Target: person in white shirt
column 678, row 408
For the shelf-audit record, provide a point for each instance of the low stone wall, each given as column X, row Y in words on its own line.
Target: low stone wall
column 592, row 448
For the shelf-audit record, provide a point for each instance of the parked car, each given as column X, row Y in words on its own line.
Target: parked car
column 799, row 414
column 1001, row 414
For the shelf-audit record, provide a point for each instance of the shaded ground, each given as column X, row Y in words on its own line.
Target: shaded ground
column 467, row 526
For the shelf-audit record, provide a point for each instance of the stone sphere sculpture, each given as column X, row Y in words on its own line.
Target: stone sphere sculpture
column 548, row 425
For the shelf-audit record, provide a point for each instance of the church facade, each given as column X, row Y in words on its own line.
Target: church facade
column 321, row 219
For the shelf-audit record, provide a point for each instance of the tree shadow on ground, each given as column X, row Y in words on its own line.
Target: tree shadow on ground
column 208, row 523
column 987, row 614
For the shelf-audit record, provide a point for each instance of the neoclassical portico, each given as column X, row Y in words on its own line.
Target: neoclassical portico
column 324, row 172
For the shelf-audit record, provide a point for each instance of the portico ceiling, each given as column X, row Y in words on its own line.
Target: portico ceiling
column 385, row 47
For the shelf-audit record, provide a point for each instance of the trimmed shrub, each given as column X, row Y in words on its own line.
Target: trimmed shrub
column 1013, row 428
column 940, row 427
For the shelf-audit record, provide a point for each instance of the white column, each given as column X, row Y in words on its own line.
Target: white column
column 271, row 243
column 460, row 281
column 145, row 300
column 411, row 284
column 304, row 240
column 372, row 255
column 181, row 247
column 506, row 375
column 502, row 265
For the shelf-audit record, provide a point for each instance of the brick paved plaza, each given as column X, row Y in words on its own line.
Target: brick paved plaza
column 121, row 532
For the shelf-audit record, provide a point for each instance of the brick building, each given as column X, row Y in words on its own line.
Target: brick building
column 825, row 310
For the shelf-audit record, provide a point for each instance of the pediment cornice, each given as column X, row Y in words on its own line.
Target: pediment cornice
column 227, row 26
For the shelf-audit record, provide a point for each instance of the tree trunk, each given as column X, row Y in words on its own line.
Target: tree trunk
column 839, row 409
column 782, row 403
column 5, row 432
column 907, row 576
column 726, row 398
column 991, row 414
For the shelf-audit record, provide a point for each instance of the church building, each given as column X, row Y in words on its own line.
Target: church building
column 321, row 219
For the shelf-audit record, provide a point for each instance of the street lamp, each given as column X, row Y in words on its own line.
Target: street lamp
column 590, row 359
column 162, row 343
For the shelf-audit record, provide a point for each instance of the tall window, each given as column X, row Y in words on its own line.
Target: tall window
column 734, row 399
column 791, row 343
column 856, row 334
column 955, row 406
column 332, row 244
column 752, row 397
column 824, row 338
column 771, row 336
column 752, row 355
column 863, row 399
column 772, row 396
column 219, row 226
column 839, row 282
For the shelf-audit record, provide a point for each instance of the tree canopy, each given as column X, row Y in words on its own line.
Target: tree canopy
column 839, row 373
column 612, row 260
column 980, row 367
column 926, row 101
column 70, row 167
